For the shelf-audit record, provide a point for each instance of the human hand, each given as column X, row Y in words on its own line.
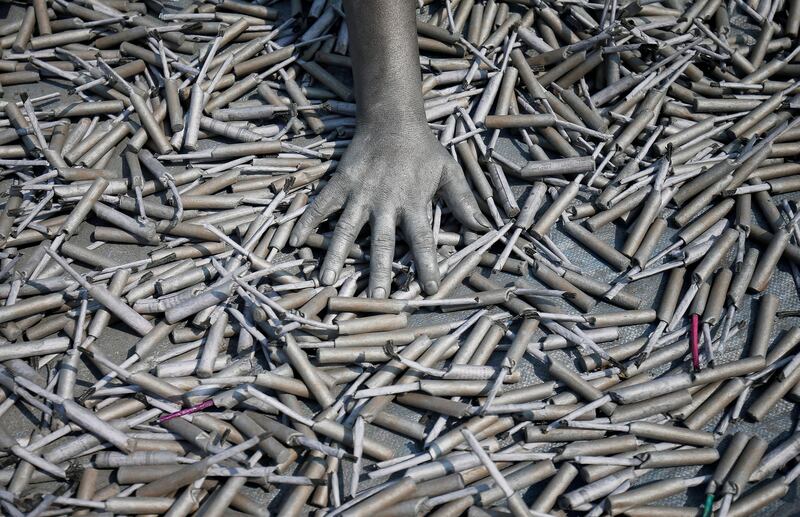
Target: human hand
column 388, row 176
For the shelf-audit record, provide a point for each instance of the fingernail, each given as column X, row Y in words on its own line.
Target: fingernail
column 379, row 292
column 328, row 277
column 431, row 287
column 482, row 220
column 294, row 241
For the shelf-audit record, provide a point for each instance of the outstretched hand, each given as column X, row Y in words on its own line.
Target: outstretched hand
column 388, row 177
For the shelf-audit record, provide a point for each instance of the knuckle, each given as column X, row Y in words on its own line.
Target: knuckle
column 382, row 241
column 422, row 242
column 305, row 222
column 346, row 227
column 463, row 200
column 315, row 213
column 380, row 258
column 344, row 176
column 333, row 189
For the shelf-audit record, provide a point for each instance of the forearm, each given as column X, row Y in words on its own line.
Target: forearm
column 385, row 55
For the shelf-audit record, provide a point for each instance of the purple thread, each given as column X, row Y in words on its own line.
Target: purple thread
column 188, row 411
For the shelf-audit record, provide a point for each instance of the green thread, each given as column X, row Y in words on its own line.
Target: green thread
column 709, row 504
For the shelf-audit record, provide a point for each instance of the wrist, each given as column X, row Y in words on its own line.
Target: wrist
column 391, row 122
column 399, row 104
column 378, row 117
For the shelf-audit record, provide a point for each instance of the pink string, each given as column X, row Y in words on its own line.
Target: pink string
column 694, row 341
column 188, row 411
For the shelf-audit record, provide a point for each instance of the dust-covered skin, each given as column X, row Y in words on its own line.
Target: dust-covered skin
column 394, row 166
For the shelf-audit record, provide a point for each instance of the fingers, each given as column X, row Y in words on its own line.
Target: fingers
column 419, row 236
column 344, row 235
column 330, row 200
column 459, row 198
column 382, row 229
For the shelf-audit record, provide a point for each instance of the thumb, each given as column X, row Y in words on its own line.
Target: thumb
column 456, row 192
